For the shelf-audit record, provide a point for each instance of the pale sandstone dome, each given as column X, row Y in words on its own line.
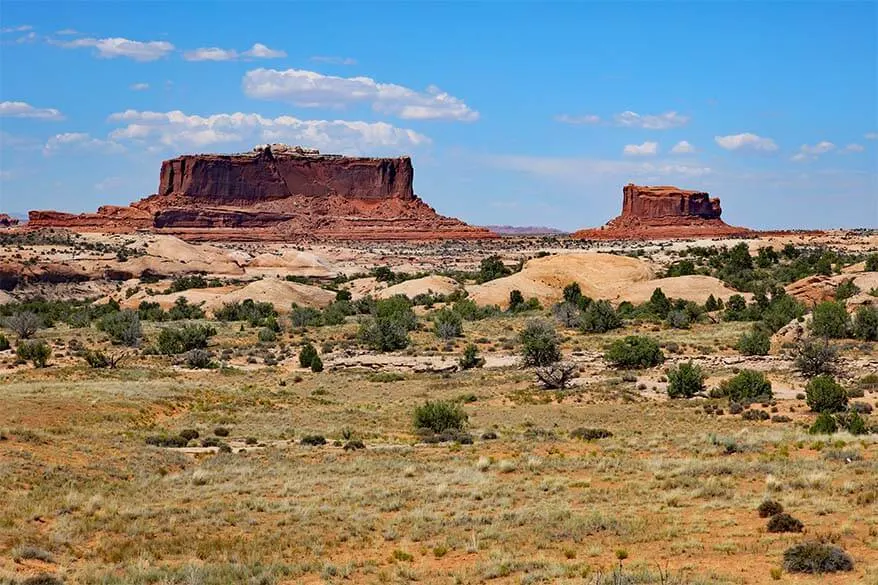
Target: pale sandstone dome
column 600, row 276
column 280, row 293
column 694, row 287
column 429, row 284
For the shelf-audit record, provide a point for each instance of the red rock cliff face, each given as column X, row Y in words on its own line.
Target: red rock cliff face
column 275, row 174
column 664, row 212
column 277, row 192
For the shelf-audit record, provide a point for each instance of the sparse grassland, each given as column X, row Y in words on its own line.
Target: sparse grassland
column 260, row 470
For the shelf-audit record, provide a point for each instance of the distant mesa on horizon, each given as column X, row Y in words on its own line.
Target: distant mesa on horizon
column 526, row 230
column 664, row 212
column 276, row 192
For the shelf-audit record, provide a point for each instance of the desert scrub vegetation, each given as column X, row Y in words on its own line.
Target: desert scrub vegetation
column 634, row 351
column 745, row 387
column 540, row 345
column 440, row 417
column 177, row 340
column 685, row 380
column 36, row 351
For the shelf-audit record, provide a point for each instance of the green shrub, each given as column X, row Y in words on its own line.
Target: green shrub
column 830, row 319
column 516, row 300
column 746, row 386
column 866, row 323
column 148, row 311
column 177, row 340
column 383, row 334
column 814, row 357
column 572, row 293
column 307, row 355
column 711, row 304
column 266, row 335
column 781, row 310
column 189, row 434
column 470, row 311
column 256, row 314
column 38, row 352
column 313, row 440
column 301, row 317
column 824, row 424
column 171, row 441
column 198, row 359
column 447, row 324
column 846, row 289
column 96, row 359
column 491, row 268
column 4, row 343
column 600, row 317
column 587, row 434
column 852, row 422
column 471, row 358
column 783, row 522
column 685, row 381
column 440, row 416
column 736, row 308
column 659, row 304
column 755, row 342
column 336, row 312
column 122, row 327
column 872, row 263
column 182, row 283
column 343, row 295
column 769, row 508
column 540, row 345
column 634, row 351
column 816, row 557
column 183, row 310
column 316, row 364
column 397, row 309
column 823, row 394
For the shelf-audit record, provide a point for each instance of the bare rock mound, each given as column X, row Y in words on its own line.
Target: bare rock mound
column 280, row 293
column 690, row 288
column 274, row 193
column 664, row 212
column 600, row 276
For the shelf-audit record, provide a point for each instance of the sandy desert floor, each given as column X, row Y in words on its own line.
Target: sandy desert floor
column 670, row 496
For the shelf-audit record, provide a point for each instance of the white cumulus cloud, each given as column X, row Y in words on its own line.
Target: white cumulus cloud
column 25, row 110
column 111, row 48
column 312, row 89
column 139, row 86
column 260, row 51
column 808, row 152
column 645, row 149
column 257, row 51
column 651, row 122
column 746, row 141
column 871, row 135
column 211, row 54
column 79, row 142
column 683, row 147
column 578, row 120
column 854, row 148
column 175, row 129
column 15, row 29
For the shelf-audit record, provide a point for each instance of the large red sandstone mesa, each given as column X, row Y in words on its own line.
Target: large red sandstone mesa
column 277, row 192
column 650, row 213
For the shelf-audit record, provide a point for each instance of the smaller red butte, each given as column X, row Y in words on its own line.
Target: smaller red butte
column 651, row 213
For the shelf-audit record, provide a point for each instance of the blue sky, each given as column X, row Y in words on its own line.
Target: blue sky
column 514, row 113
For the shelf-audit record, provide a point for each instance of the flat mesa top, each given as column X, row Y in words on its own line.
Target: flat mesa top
column 664, row 190
column 282, row 151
